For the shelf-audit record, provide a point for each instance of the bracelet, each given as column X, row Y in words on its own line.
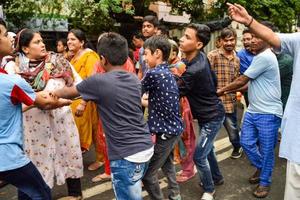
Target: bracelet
column 248, row 25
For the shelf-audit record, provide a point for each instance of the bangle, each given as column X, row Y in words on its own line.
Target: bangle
column 249, row 24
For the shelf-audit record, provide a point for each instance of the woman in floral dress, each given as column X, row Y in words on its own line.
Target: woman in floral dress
column 51, row 137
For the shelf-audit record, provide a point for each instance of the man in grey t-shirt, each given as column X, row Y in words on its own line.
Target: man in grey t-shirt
column 118, row 93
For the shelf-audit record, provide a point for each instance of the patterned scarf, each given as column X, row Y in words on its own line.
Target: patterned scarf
column 37, row 73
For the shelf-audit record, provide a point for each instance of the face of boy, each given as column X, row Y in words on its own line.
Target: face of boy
column 5, row 43
column 148, row 29
column 150, row 58
column 189, row 42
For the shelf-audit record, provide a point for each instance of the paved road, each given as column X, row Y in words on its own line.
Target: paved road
column 235, row 172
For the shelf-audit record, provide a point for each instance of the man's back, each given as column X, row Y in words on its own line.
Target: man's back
column 118, row 96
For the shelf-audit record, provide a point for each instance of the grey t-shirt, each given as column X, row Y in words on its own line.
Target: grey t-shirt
column 118, row 97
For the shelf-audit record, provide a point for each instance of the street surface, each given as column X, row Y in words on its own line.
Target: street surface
column 236, row 173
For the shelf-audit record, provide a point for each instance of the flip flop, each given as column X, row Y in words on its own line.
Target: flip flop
column 101, row 177
column 95, row 165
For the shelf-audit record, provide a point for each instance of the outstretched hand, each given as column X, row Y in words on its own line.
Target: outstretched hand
column 239, row 13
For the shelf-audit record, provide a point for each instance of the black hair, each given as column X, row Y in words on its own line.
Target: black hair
column 228, row 32
column 270, row 25
column 24, row 38
column 164, row 29
column 63, row 41
column 202, row 32
column 138, row 35
column 151, row 19
column 246, row 30
column 2, row 22
column 80, row 35
column 113, row 47
column 159, row 42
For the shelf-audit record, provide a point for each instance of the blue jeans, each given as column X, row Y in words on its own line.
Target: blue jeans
column 259, row 139
column 30, row 183
column 126, row 179
column 230, row 124
column 204, row 157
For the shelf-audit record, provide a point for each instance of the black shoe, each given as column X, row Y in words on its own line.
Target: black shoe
column 219, row 182
column 237, row 153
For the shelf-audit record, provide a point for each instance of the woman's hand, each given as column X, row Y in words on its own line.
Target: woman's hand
column 80, row 109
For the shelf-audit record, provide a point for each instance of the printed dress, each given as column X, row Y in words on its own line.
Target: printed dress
column 51, row 138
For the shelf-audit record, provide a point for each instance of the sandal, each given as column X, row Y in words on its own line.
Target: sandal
column 261, row 191
column 183, row 178
column 101, row 177
column 254, row 179
column 95, row 165
column 207, row 196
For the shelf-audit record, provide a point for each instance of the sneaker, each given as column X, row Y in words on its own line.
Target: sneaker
column 237, row 153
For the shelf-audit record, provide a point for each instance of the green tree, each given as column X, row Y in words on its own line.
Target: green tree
column 90, row 15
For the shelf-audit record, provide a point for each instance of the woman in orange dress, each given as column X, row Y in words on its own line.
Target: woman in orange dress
column 85, row 113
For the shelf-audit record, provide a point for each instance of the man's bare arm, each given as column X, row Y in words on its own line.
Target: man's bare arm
column 67, row 92
column 234, row 86
column 239, row 13
column 45, row 101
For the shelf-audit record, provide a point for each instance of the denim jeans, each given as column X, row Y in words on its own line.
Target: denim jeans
column 204, row 157
column 230, row 124
column 30, row 183
column 162, row 158
column 126, row 179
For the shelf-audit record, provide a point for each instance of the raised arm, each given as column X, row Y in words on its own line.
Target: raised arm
column 239, row 14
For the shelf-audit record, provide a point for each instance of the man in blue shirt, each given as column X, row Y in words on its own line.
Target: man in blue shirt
column 290, row 142
column 246, row 55
column 15, row 166
column 263, row 117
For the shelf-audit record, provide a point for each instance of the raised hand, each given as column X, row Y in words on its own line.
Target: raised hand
column 239, row 13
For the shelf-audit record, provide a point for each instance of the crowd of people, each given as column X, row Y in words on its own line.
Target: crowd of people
column 137, row 108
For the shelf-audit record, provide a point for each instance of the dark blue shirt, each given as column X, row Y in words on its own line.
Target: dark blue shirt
column 163, row 106
column 246, row 58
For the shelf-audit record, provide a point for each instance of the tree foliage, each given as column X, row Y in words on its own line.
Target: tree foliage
column 100, row 15
column 281, row 12
column 90, row 15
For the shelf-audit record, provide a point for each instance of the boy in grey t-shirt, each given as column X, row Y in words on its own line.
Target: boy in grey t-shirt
column 118, row 93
